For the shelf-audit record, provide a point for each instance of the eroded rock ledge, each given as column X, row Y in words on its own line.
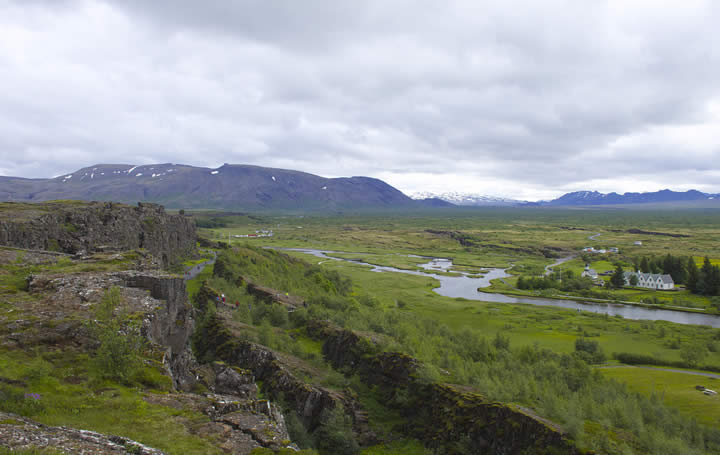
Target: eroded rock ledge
column 72, row 227
column 238, row 418
column 451, row 417
column 309, row 401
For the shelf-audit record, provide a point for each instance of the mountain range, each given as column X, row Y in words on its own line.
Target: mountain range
column 235, row 187
column 577, row 198
column 581, row 198
column 468, row 199
column 244, row 187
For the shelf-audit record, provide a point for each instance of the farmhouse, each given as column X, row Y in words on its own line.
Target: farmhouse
column 651, row 280
column 590, row 273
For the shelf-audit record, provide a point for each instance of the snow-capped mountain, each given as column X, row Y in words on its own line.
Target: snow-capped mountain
column 596, row 198
column 231, row 186
column 467, row 199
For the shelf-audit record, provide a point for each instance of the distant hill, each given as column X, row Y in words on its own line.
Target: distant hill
column 468, row 199
column 235, row 187
column 582, row 198
column 244, row 187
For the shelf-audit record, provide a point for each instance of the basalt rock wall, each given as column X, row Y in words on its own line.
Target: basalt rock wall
column 160, row 298
column 214, row 339
column 346, row 350
column 239, row 420
column 451, row 418
column 75, row 227
column 461, row 421
column 171, row 324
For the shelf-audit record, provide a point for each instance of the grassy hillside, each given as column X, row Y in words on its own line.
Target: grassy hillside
column 459, row 343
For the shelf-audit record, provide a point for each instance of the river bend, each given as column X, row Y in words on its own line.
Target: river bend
column 466, row 287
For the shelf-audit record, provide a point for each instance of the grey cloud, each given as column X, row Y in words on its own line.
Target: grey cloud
column 537, row 93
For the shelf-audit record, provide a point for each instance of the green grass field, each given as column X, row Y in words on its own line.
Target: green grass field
column 68, row 395
column 526, row 324
column 675, row 389
column 502, row 237
column 497, row 232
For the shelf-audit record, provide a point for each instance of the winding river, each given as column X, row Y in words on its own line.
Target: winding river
column 467, row 287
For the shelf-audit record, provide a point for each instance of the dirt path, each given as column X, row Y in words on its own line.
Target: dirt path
column 195, row 270
column 548, row 268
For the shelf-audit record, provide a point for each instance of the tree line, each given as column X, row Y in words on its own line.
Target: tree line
column 570, row 282
column 703, row 280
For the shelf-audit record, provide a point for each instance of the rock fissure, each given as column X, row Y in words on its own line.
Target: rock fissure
column 310, row 402
column 439, row 414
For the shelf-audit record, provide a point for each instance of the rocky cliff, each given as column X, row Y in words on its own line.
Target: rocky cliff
column 309, row 401
column 214, row 339
column 169, row 325
column 238, row 418
column 72, row 227
column 447, row 417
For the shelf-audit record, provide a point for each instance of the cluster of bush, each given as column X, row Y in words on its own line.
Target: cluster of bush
column 569, row 282
column 689, row 360
column 589, row 350
column 280, row 271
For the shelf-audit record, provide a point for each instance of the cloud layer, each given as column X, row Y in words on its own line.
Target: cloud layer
column 522, row 100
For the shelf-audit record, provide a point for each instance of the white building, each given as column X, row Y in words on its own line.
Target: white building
column 590, row 273
column 638, row 243
column 651, row 280
column 589, row 249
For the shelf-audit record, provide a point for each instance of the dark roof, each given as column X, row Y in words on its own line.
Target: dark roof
column 667, row 279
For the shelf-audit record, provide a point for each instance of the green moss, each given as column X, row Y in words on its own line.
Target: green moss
column 102, row 406
column 53, row 245
column 35, row 451
column 11, row 422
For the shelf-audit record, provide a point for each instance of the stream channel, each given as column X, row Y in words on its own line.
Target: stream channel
column 467, row 287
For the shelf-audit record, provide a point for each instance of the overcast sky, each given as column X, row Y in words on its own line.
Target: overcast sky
column 520, row 99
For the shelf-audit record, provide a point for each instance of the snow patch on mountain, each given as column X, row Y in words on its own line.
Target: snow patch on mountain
column 467, row 199
column 654, row 197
